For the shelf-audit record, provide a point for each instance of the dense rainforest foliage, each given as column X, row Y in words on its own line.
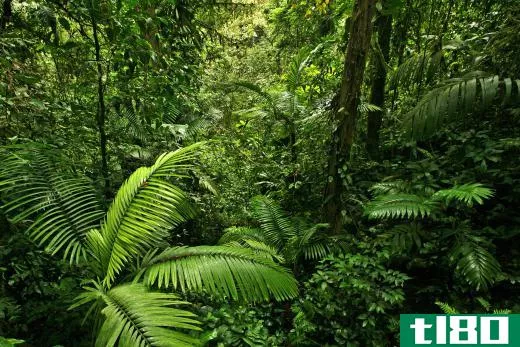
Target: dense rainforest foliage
column 255, row 172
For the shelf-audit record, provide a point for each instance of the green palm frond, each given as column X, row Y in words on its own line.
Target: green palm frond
column 135, row 316
column 365, row 107
column 241, row 233
column 134, row 122
column 405, row 236
column 399, row 206
column 311, row 242
column 475, row 264
column 238, row 273
column 390, row 187
column 468, row 194
column 484, row 303
column 418, row 67
column 502, row 311
column 456, row 97
column 275, row 225
column 60, row 206
column 446, row 308
column 259, row 248
column 145, row 208
column 171, row 113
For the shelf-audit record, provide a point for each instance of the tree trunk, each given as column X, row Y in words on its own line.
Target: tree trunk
column 101, row 111
column 345, row 110
column 377, row 97
column 7, row 13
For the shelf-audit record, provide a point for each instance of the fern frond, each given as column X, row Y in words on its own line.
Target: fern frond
column 145, row 208
column 310, row 243
column 399, row 206
column 390, row 187
column 468, row 194
column 241, row 233
column 237, row 273
column 456, row 97
column 484, row 303
column 502, row 311
column 207, row 184
column 365, row 107
column 64, row 206
column 171, row 113
column 259, row 248
column 135, row 316
column 475, row 264
column 134, row 123
column 416, row 68
column 405, row 236
column 446, row 308
column 277, row 228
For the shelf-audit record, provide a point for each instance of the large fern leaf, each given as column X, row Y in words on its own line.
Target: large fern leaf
column 144, row 210
column 405, row 236
column 468, row 194
column 475, row 264
column 238, row 273
column 241, row 233
column 276, row 226
column 60, row 206
column 399, row 206
column 456, row 97
column 135, row 316
column 446, row 308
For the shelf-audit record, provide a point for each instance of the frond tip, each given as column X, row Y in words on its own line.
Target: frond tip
column 235, row 272
column 475, row 264
column 134, row 316
column 399, row 206
column 468, row 194
column 456, row 97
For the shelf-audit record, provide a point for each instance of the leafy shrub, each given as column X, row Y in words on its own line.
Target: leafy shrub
column 351, row 300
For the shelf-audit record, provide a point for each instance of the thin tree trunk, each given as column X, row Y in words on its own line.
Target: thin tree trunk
column 7, row 13
column 377, row 97
column 101, row 111
column 345, row 111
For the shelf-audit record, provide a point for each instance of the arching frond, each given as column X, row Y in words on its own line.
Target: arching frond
column 475, row 263
column 468, row 194
column 62, row 207
column 446, row 308
column 171, row 113
column 310, row 242
column 277, row 227
column 298, row 64
column 133, row 122
column 390, row 187
column 207, row 184
column 237, row 273
column 145, row 208
column 399, row 206
column 259, row 248
column 456, row 97
column 417, row 68
column 405, row 236
column 241, row 233
column 135, row 316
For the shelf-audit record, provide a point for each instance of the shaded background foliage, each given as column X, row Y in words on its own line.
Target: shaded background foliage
column 113, row 84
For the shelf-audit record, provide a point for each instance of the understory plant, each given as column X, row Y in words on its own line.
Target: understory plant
column 125, row 249
column 287, row 239
column 422, row 219
column 351, row 300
